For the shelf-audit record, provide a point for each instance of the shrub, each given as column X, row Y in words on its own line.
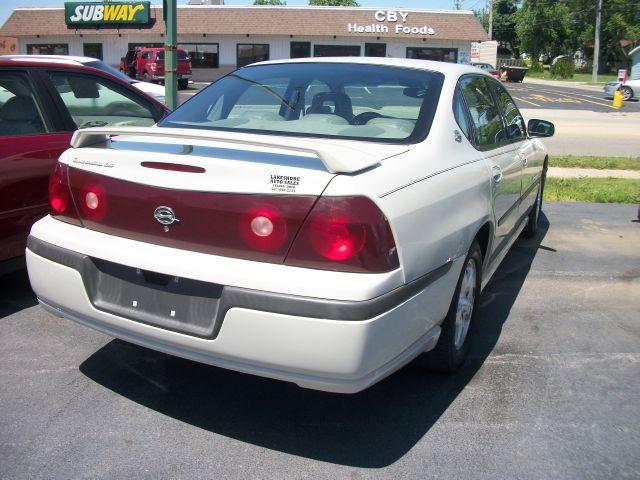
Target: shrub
column 562, row 70
column 536, row 66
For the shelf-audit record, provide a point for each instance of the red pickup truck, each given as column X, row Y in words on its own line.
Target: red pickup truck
column 149, row 66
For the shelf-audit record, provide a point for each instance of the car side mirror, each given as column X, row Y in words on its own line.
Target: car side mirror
column 540, row 128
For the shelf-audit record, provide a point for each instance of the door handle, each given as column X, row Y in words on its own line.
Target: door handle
column 524, row 161
column 496, row 171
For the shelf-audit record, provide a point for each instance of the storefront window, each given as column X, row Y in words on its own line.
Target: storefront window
column 203, row 55
column 437, row 54
column 93, row 50
column 251, row 53
column 300, row 49
column 336, row 50
column 48, row 49
column 375, row 49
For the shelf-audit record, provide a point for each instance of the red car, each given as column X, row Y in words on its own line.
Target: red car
column 42, row 102
column 149, row 66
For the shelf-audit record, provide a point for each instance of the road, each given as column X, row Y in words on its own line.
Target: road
column 576, row 97
column 551, row 389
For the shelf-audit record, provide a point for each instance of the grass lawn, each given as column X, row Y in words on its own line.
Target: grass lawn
column 616, row 163
column 598, row 190
column 577, row 77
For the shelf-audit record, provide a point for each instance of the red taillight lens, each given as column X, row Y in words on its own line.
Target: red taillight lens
column 336, row 236
column 263, row 228
column 60, row 200
column 347, row 234
column 58, row 189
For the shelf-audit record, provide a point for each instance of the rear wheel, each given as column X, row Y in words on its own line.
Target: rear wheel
column 145, row 77
column 531, row 228
column 627, row 93
column 453, row 344
column 183, row 84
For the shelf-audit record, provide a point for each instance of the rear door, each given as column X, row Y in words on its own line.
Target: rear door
column 29, row 149
column 506, row 167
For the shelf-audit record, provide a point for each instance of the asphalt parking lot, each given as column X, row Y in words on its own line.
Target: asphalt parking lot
column 551, row 390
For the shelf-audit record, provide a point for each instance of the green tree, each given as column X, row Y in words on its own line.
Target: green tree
column 544, row 27
column 334, row 3
column 269, row 2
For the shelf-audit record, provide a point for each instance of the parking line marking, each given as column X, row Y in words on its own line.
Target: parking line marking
column 583, row 99
column 526, row 101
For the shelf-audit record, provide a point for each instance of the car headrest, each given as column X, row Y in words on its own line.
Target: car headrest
column 341, row 103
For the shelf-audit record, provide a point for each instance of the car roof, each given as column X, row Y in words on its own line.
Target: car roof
column 449, row 69
column 54, row 59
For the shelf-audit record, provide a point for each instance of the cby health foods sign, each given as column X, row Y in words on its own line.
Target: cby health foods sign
column 94, row 13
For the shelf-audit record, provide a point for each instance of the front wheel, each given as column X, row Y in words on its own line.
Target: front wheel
column 531, row 229
column 453, row 344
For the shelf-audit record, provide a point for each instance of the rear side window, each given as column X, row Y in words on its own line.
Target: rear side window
column 19, row 112
column 460, row 114
column 485, row 114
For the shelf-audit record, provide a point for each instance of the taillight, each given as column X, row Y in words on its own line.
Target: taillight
column 347, row 234
column 60, row 200
column 59, row 189
column 263, row 228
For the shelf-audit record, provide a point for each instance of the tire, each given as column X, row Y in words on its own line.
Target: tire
column 627, row 93
column 452, row 347
column 531, row 228
column 183, row 84
column 145, row 77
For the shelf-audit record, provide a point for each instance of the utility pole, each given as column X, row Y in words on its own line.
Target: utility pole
column 490, row 19
column 596, row 45
column 170, row 53
column 457, row 4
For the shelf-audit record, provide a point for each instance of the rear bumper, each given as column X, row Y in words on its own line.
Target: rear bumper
column 332, row 345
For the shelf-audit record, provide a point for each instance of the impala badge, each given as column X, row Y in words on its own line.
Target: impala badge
column 165, row 216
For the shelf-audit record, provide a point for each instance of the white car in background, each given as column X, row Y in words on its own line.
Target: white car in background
column 318, row 221
column 152, row 89
column 629, row 89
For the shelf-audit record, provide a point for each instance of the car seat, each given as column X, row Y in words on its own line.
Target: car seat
column 19, row 116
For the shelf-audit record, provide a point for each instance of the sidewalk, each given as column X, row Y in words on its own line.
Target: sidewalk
column 559, row 172
column 560, row 83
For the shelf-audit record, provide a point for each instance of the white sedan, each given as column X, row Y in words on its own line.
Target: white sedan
column 629, row 89
column 318, row 221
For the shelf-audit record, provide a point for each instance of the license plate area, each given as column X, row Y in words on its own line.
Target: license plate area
column 173, row 303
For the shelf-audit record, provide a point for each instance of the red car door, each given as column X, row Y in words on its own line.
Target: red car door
column 26, row 162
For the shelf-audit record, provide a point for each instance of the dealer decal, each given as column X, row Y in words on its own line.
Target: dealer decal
column 284, row 183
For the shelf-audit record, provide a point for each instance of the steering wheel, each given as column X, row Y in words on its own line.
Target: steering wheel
column 364, row 117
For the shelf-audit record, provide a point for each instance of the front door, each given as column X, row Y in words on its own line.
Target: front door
column 505, row 164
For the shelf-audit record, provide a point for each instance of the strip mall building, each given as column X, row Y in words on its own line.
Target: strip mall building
column 225, row 37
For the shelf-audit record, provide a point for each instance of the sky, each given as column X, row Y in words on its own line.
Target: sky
column 7, row 6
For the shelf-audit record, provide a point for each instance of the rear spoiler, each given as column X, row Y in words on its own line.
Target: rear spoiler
column 338, row 156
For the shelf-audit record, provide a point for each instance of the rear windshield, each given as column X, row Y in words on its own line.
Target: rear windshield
column 363, row 102
column 182, row 55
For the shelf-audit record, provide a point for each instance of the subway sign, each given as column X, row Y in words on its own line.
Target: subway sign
column 95, row 13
